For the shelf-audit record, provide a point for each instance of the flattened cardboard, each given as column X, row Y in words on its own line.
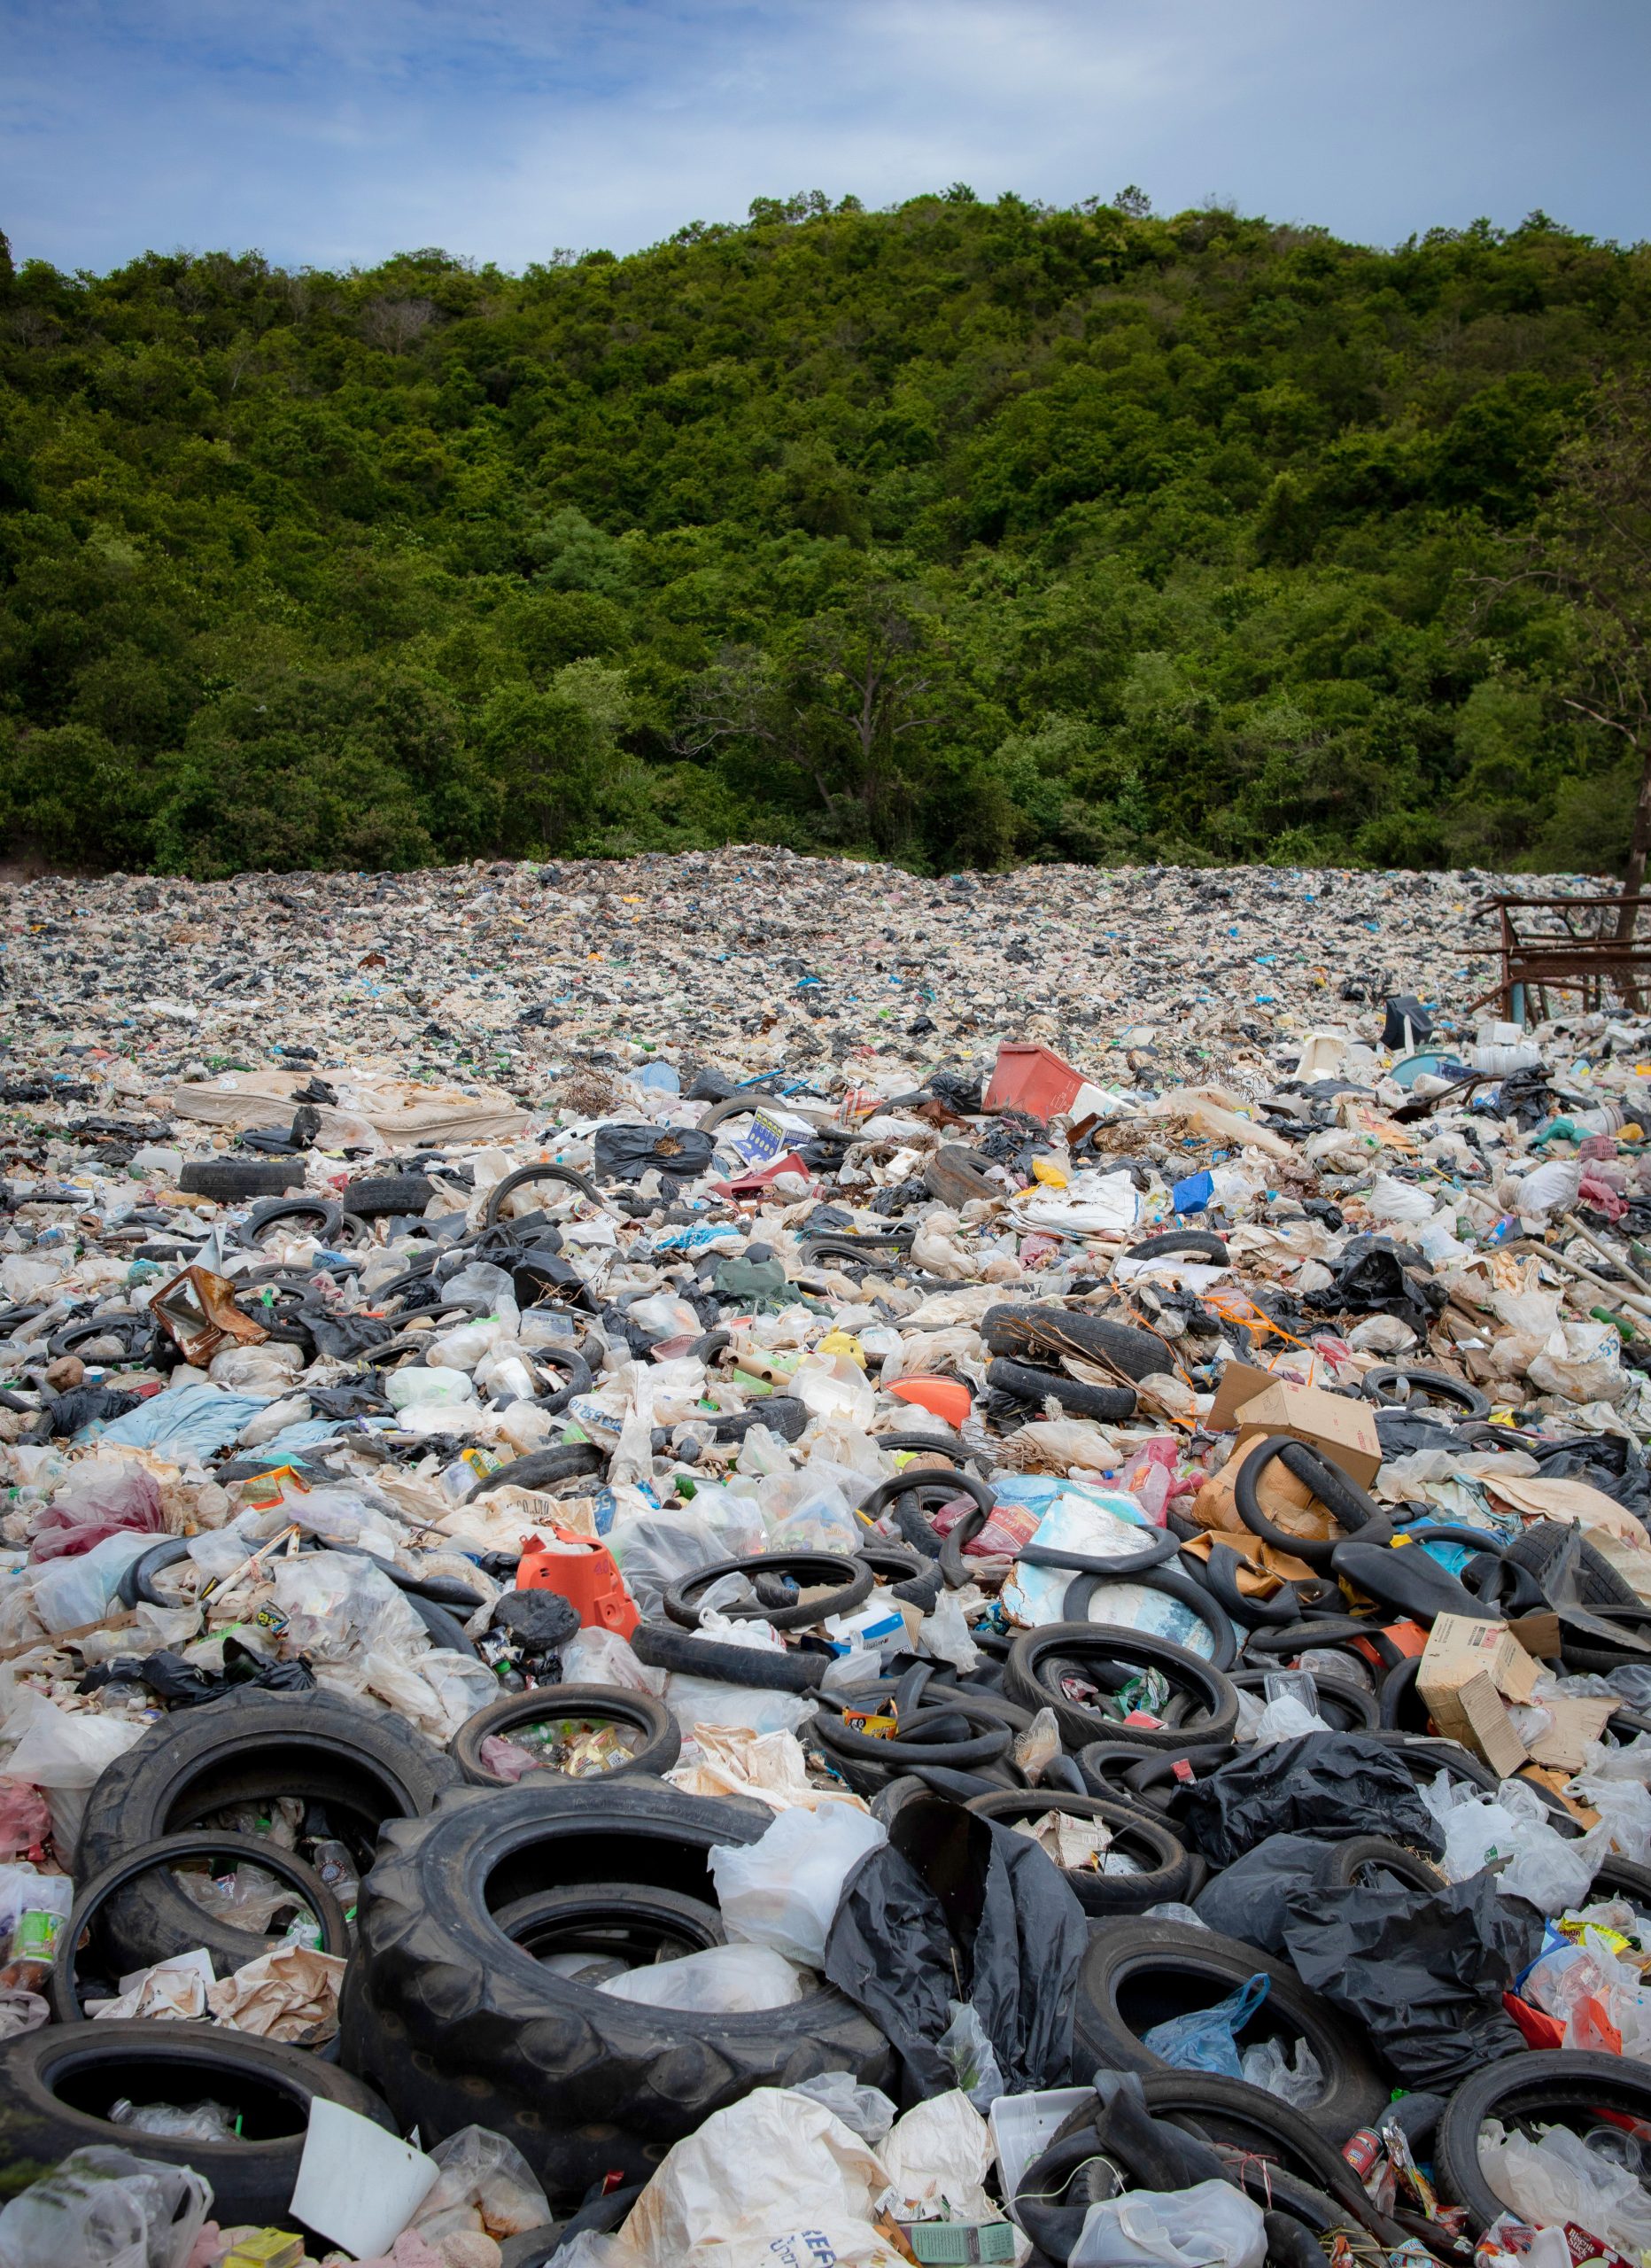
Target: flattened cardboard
column 1340, row 1428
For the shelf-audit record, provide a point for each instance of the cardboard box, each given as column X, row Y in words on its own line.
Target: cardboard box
column 1341, row 1430
column 1575, row 1723
column 1240, row 1382
column 1468, row 1673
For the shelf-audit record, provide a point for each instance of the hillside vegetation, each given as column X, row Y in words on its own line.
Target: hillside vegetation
column 960, row 533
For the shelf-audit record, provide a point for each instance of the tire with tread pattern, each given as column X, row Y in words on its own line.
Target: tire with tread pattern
column 380, row 1195
column 1137, row 1973
column 639, row 1713
column 365, row 1767
column 464, row 2027
column 1029, row 1679
column 231, row 1182
column 56, row 2084
column 1565, row 2085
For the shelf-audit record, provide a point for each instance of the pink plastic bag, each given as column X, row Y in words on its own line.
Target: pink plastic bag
column 25, row 1821
column 106, row 1506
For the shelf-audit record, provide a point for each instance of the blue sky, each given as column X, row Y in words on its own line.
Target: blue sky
column 330, row 133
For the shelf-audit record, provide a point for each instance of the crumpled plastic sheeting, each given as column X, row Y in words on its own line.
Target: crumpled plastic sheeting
column 890, row 1949
column 1324, row 1784
column 1423, row 1974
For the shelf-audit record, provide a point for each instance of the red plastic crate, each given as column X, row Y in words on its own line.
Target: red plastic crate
column 1033, row 1079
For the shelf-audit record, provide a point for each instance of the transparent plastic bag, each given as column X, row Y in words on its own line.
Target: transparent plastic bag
column 105, row 2207
column 1298, row 2082
column 1211, row 2225
column 1558, row 2180
column 864, row 2111
column 783, row 1889
column 485, row 2183
column 1205, row 2040
column 966, row 2045
column 109, row 1501
column 723, row 1980
column 196, row 2122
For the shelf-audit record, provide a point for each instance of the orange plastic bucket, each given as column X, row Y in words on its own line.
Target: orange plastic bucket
column 586, row 1576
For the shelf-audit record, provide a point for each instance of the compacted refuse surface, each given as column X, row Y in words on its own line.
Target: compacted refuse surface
column 741, row 1559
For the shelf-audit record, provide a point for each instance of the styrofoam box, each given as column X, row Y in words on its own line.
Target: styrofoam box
column 1024, row 2125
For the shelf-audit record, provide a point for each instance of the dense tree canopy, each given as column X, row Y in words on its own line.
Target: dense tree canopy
column 963, row 533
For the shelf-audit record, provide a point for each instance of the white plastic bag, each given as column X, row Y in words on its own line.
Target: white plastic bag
column 1558, row 2180
column 1211, row 2225
column 105, row 2207
column 783, row 1889
column 723, row 1980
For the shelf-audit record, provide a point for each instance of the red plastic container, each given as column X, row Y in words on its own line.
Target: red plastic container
column 587, row 1578
column 1033, row 1079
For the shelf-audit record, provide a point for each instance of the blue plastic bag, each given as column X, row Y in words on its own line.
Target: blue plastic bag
column 1194, row 1193
column 1207, row 2041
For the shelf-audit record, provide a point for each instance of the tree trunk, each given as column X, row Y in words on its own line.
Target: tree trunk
column 1639, row 844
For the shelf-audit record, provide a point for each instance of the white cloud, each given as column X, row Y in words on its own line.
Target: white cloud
column 327, row 133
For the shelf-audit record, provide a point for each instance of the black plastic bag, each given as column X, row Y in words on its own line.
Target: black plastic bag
column 86, row 1405
column 1328, row 1784
column 958, row 1091
column 955, row 1908
column 626, row 1152
column 185, row 1685
column 1249, row 1899
column 1424, row 1973
column 1372, row 1279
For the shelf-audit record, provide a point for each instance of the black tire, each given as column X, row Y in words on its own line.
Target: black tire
column 232, row 1183
column 1598, row 1582
column 1044, row 1333
column 542, row 1468
column 1248, row 1612
column 1347, row 1503
column 1088, row 1593
column 1138, row 1972
column 573, row 1367
column 622, row 1918
column 138, row 1580
column 1395, row 1385
column 853, row 1583
column 1345, row 1705
column 1349, row 1860
column 1616, row 1877
column 136, row 1333
column 1402, row 1707
column 907, row 1574
column 662, row 1743
column 171, row 1849
column 1247, row 2123
column 524, row 1175
column 1564, row 2087
column 57, row 2085
column 1203, row 1242
column 381, row 1194
column 1111, row 1405
column 663, row 1646
column 1158, row 1553
column 1030, row 1679
column 464, row 2027
column 937, row 1487
column 928, row 1737
column 1168, row 1867
column 267, row 1216
column 364, row 1767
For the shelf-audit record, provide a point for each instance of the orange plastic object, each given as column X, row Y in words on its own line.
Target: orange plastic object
column 587, row 1579
column 1033, row 1079
column 946, row 1398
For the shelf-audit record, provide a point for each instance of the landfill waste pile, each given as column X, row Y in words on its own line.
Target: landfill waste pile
column 740, row 1560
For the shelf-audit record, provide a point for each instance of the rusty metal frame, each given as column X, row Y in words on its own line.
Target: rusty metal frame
column 1584, row 960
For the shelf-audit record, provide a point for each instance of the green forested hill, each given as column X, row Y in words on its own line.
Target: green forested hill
column 963, row 532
